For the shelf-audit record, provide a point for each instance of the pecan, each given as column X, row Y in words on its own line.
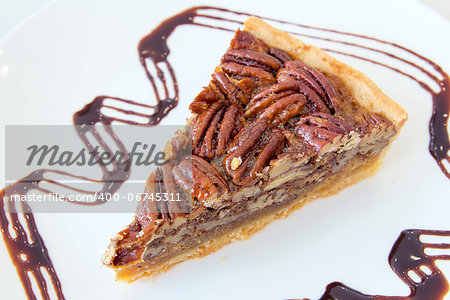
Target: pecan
column 252, row 58
column 279, row 54
column 206, row 148
column 207, row 95
column 198, row 178
column 203, row 100
column 319, row 129
column 270, row 96
column 245, row 40
column 261, row 77
column 302, row 75
column 231, row 125
column 160, row 184
column 259, row 66
column 251, row 150
column 227, row 87
column 225, row 124
column 180, row 145
column 369, row 120
column 246, row 85
column 201, row 123
column 198, row 107
column 273, row 89
column 255, row 107
column 314, row 102
column 284, row 109
column 313, row 79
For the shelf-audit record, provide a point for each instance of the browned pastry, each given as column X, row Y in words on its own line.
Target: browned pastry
column 280, row 124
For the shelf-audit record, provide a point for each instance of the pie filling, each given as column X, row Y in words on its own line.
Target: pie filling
column 268, row 133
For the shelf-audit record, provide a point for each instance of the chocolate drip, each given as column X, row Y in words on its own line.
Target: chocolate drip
column 408, row 254
column 31, row 259
column 153, row 53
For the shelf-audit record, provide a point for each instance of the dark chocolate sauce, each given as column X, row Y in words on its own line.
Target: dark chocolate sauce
column 31, row 258
column 408, row 254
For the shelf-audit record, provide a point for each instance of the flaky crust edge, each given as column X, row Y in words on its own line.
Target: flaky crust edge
column 363, row 89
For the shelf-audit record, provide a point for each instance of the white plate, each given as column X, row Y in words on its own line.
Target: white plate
column 71, row 51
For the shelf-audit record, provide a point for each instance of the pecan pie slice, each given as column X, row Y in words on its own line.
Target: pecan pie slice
column 280, row 124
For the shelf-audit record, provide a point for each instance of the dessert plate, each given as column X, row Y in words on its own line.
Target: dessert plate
column 61, row 58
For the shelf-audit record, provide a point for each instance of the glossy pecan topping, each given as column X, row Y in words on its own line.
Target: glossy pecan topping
column 319, row 129
column 201, row 123
column 251, row 150
column 245, row 40
column 223, row 89
column 207, row 96
column 276, row 103
column 369, row 120
column 321, row 90
column 260, row 76
column 260, row 66
column 238, row 93
column 281, row 55
column 180, row 146
column 218, row 132
column 284, row 109
column 252, row 58
column 198, row 178
column 160, row 184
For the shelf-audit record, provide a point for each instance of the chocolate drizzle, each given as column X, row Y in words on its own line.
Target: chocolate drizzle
column 31, row 258
column 407, row 255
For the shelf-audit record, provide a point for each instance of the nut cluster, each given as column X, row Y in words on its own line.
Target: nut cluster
column 257, row 100
column 251, row 150
column 318, row 129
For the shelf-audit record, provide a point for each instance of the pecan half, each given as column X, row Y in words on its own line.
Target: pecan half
column 281, row 55
column 259, row 66
column 256, row 106
column 319, row 129
column 273, row 89
column 260, row 76
column 201, row 123
column 232, row 92
column 198, row 178
column 252, row 58
column 180, row 146
column 203, row 100
column 245, row 40
column 276, row 103
column 251, row 150
column 284, row 109
column 313, row 104
column 225, row 124
column 223, row 89
column 314, row 79
column 160, row 184
column 369, row 120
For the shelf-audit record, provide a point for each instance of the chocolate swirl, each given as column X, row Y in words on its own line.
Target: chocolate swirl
column 407, row 255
